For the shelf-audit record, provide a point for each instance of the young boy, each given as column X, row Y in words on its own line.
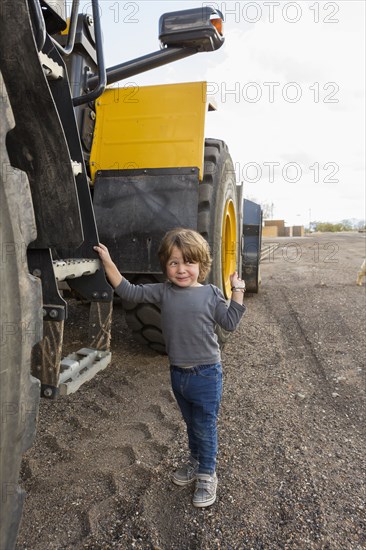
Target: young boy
column 189, row 314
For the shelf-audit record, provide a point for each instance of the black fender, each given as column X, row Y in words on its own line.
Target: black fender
column 251, row 245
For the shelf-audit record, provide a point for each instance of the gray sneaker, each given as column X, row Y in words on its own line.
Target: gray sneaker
column 187, row 473
column 205, row 491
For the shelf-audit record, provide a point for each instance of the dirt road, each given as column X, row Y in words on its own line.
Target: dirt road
column 292, row 428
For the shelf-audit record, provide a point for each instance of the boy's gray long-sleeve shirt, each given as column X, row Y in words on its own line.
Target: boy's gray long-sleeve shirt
column 189, row 316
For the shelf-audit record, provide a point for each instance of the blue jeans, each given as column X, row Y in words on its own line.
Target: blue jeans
column 198, row 392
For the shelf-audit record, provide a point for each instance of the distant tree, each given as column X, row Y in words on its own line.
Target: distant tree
column 323, row 227
column 267, row 208
column 347, row 225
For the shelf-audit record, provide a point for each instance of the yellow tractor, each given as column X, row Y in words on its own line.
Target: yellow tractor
column 83, row 162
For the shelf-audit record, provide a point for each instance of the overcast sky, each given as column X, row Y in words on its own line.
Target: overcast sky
column 289, row 84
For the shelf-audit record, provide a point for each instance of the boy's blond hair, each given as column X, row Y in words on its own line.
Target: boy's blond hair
column 193, row 246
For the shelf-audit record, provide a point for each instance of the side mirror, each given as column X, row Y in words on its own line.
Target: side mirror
column 199, row 28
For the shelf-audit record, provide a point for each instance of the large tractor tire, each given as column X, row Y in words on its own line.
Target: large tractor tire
column 218, row 218
column 218, row 223
column 145, row 319
column 21, row 327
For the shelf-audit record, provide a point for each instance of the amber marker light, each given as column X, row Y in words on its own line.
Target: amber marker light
column 219, row 25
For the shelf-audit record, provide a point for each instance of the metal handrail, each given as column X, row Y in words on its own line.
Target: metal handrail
column 144, row 63
column 65, row 51
column 39, row 26
column 102, row 77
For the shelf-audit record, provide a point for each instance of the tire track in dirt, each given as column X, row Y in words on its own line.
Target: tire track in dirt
column 282, row 492
column 97, row 424
column 343, row 414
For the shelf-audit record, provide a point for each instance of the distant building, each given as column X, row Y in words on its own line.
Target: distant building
column 277, row 228
column 298, row 231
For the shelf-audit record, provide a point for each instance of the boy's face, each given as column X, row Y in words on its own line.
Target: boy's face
column 181, row 273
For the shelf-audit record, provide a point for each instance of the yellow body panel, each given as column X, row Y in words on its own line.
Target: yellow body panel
column 150, row 127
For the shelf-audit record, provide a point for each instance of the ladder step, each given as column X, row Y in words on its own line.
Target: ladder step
column 80, row 367
column 51, row 69
column 72, row 268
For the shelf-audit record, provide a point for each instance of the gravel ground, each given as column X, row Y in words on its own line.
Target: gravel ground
column 291, row 433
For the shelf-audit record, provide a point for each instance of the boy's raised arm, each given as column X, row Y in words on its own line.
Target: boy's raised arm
column 113, row 275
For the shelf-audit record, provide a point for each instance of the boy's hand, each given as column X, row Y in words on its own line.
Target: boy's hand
column 110, row 267
column 103, row 253
column 238, row 295
column 235, row 281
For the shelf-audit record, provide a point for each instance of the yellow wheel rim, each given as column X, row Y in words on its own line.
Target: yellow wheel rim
column 228, row 246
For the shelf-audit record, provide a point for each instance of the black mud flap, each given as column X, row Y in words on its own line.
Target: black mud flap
column 135, row 208
column 252, row 242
